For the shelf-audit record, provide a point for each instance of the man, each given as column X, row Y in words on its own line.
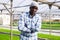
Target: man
column 30, row 23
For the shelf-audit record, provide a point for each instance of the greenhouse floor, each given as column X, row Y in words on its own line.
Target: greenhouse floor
column 44, row 31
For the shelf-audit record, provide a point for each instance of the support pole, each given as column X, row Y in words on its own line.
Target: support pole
column 6, row 8
column 11, row 20
column 50, row 5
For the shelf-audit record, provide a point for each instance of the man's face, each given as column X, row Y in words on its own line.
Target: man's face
column 33, row 9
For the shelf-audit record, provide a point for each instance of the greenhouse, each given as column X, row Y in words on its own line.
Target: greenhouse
column 10, row 11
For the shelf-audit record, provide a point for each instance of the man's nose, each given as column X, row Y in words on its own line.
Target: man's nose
column 34, row 9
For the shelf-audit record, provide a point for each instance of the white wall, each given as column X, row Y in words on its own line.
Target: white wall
column 6, row 19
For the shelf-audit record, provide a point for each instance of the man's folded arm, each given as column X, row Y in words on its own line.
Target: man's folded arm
column 37, row 26
column 21, row 25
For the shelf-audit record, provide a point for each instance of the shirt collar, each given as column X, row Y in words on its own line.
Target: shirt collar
column 31, row 16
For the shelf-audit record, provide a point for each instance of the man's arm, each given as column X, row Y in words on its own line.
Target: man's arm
column 21, row 25
column 37, row 26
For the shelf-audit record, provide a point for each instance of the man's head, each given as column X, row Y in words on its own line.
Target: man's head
column 33, row 7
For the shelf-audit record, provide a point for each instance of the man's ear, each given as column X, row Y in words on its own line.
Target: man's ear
column 30, row 7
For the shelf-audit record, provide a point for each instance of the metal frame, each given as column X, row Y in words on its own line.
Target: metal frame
column 10, row 11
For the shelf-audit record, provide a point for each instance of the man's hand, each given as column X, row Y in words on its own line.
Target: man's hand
column 32, row 30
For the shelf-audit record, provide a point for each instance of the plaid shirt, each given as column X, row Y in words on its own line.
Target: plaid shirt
column 27, row 24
